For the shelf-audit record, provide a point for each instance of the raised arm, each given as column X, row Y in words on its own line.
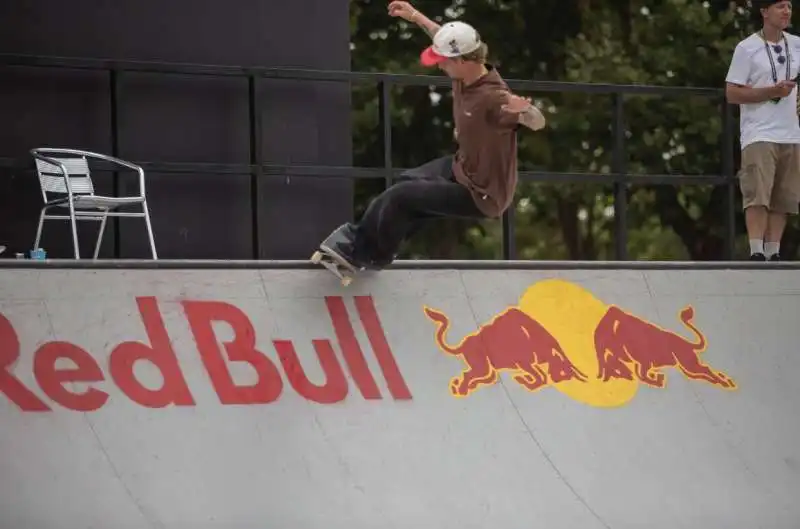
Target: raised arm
column 406, row 11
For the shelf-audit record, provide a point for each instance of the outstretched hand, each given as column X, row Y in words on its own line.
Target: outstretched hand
column 404, row 10
column 517, row 104
column 527, row 114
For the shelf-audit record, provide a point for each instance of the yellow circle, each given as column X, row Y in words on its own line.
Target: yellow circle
column 571, row 314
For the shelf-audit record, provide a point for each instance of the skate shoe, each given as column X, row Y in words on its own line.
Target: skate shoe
column 341, row 243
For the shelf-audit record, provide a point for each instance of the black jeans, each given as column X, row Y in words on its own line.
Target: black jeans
column 426, row 192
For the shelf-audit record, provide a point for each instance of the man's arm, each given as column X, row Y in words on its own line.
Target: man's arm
column 737, row 80
column 509, row 110
column 743, row 94
column 532, row 118
column 406, row 11
column 428, row 26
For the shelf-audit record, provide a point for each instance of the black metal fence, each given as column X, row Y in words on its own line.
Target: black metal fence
column 619, row 177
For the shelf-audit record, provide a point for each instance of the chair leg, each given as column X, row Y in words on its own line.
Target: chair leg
column 74, row 232
column 100, row 235
column 149, row 230
column 39, row 228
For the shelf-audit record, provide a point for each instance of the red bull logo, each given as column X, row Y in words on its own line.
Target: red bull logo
column 562, row 336
column 628, row 347
column 512, row 342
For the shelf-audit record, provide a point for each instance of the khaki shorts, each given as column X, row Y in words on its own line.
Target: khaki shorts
column 770, row 176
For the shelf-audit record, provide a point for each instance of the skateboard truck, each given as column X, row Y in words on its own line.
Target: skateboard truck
column 335, row 263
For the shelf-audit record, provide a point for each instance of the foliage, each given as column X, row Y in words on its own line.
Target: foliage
column 682, row 43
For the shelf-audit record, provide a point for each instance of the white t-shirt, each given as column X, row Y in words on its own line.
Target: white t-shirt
column 750, row 65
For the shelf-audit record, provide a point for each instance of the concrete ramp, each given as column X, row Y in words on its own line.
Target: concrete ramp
column 274, row 398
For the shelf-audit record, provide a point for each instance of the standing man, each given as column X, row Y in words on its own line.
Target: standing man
column 761, row 79
column 478, row 181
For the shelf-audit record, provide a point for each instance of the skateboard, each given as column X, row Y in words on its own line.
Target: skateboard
column 337, row 266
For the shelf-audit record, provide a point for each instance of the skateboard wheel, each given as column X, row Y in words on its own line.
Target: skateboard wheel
column 316, row 258
column 346, row 281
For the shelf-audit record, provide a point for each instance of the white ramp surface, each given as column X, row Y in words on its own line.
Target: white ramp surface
column 248, row 399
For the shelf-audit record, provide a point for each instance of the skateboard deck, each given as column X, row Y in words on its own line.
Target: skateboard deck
column 335, row 264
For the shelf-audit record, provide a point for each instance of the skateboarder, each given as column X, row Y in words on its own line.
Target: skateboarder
column 477, row 182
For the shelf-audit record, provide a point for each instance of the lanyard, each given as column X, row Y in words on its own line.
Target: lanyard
column 772, row 61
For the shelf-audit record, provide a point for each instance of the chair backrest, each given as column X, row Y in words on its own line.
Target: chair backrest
column 51, row 178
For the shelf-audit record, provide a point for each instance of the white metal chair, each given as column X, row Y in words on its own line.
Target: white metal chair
column 65, row 173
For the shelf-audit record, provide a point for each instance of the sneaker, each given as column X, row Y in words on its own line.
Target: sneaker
column 758, row 256
column 775, row 257
column 340, row 242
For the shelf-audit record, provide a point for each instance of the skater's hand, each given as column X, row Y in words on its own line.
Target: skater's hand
column 528, row 115
column 404, row 10
column 516, row 104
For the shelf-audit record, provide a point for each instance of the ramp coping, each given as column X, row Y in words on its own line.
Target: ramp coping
column 210, row 264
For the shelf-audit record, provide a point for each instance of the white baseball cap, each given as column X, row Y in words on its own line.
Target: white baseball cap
column 452, row 40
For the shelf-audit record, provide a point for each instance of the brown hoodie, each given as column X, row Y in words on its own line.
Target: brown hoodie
column 486, row 161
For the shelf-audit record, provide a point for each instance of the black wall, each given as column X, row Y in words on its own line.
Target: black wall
column 181, row 118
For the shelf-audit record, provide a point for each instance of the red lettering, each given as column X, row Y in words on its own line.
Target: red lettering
column 174, row 389
column 201, row 314
column 350, row 348
column 52, row 380
column 377, row 338
column 9, row 384
column 335, row 388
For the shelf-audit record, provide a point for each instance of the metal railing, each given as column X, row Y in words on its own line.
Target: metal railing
column 619, row 177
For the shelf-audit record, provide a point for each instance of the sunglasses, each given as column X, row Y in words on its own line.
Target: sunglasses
column 778, row 50
column 781, row 59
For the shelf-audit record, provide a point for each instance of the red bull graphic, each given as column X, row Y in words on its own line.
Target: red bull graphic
column 628, row 346
column 562, row 336
column 100, row 372
column 513, row 342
